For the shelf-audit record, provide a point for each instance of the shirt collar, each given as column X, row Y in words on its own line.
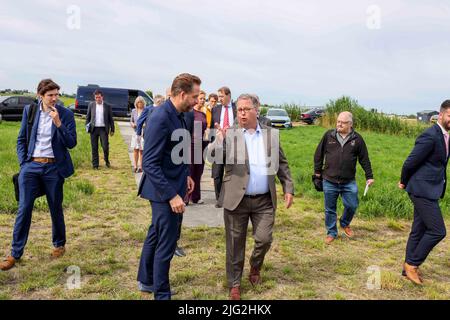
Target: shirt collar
column 41, row 109
column 443, row 130
column 258, row 129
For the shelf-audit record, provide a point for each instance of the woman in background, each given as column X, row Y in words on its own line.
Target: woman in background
column 137, row 141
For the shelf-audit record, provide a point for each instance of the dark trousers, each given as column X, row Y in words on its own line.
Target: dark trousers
column 99, row 132
column 428, row 229
column 217, row 174
column 32, row 177
column 196, row 172
column 158, row 250
column 260, row 212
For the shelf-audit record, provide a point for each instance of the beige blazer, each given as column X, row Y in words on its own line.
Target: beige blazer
column 237, row 171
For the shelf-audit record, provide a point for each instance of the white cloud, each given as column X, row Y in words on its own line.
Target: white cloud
column 285, row 51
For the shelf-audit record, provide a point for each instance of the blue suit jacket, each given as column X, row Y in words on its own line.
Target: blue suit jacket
column 188, row 118
column 63, row 138
column 424, row 171
column 162, row 179
column 143, row 118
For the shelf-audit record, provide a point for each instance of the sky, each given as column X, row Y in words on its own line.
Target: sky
column 390, row 55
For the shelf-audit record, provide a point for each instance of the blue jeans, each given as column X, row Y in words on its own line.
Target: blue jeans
column 349, row 194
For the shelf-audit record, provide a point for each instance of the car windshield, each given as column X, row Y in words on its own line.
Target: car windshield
column 277, row 113
column 3, row 98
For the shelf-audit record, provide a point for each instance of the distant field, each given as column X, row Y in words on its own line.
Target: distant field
column 387, row 154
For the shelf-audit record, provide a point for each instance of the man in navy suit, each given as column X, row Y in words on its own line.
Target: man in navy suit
column 165, row 182
column 44, row 163
column 424, row 178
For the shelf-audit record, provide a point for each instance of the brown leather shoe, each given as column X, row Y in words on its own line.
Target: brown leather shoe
column 8, row 263
column 329, row 239
column 58, row 252
column 235, row 293
column 412, row 274
column 348, row 232
column 254, row 277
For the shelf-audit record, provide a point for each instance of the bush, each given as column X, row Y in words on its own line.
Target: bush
column 369, row 120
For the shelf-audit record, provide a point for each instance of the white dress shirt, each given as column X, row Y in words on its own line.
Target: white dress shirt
column 258, row 182
column 43, row 146
column 230, row 115
column 99, row 117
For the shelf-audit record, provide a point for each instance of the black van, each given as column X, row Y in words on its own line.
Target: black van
column 121, row 100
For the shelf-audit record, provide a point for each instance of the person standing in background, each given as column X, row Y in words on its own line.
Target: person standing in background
column 198, row 145
column 137, row 141
column 100, row 123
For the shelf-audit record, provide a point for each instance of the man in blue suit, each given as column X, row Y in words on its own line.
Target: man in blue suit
column 44, row 164
column 165, row 182
column 424, row 178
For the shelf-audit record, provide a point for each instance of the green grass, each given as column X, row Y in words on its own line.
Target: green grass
column 106, row 225
column 387, row 154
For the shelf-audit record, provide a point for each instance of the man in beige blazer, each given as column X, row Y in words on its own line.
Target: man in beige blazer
column 253, row 158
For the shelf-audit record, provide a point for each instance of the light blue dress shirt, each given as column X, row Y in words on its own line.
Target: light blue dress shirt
column 258, row 182
column 43, row 147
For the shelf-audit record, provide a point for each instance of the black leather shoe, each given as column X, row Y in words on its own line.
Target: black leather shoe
column 95, row 168
column 108, row 164
column 149, row 289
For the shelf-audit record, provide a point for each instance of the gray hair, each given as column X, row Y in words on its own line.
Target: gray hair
column 159, row 99
column 139, row 99
column 348, row 114
column 252, row 97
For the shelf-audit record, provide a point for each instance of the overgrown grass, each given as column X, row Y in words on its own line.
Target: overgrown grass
column 387, row 154
column 106, row 229
column 368, row 120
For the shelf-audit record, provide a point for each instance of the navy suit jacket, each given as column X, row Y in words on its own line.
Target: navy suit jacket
column 162, row 179
column 424, row 171
column 142, row 118
column 188, row 117
column 63, row 138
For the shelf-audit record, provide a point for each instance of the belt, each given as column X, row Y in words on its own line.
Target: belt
column 252, row 196
column 43, row 160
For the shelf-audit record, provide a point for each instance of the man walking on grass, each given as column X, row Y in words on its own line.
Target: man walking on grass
column 335, row 162
column 42, row 149
column 424, row 178
column 165, row 183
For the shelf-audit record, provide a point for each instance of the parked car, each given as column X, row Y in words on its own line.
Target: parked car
column 11, row 107
column 121, row 100
column 279, row 118
column 312, row 115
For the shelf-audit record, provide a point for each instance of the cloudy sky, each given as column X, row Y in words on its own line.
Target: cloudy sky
column 392, row 55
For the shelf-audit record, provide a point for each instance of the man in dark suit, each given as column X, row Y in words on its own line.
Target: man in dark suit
column 222, row 117
column 249, row 191
column 100, row 123
column 44, row 164
column 424, row 178
column 165, row 182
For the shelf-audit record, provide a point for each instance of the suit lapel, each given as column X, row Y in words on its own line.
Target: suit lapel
column 93, row 114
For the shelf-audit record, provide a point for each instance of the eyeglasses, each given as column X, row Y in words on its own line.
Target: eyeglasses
column 244, row 110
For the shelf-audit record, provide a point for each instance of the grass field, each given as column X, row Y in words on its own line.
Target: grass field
column 107, row 223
